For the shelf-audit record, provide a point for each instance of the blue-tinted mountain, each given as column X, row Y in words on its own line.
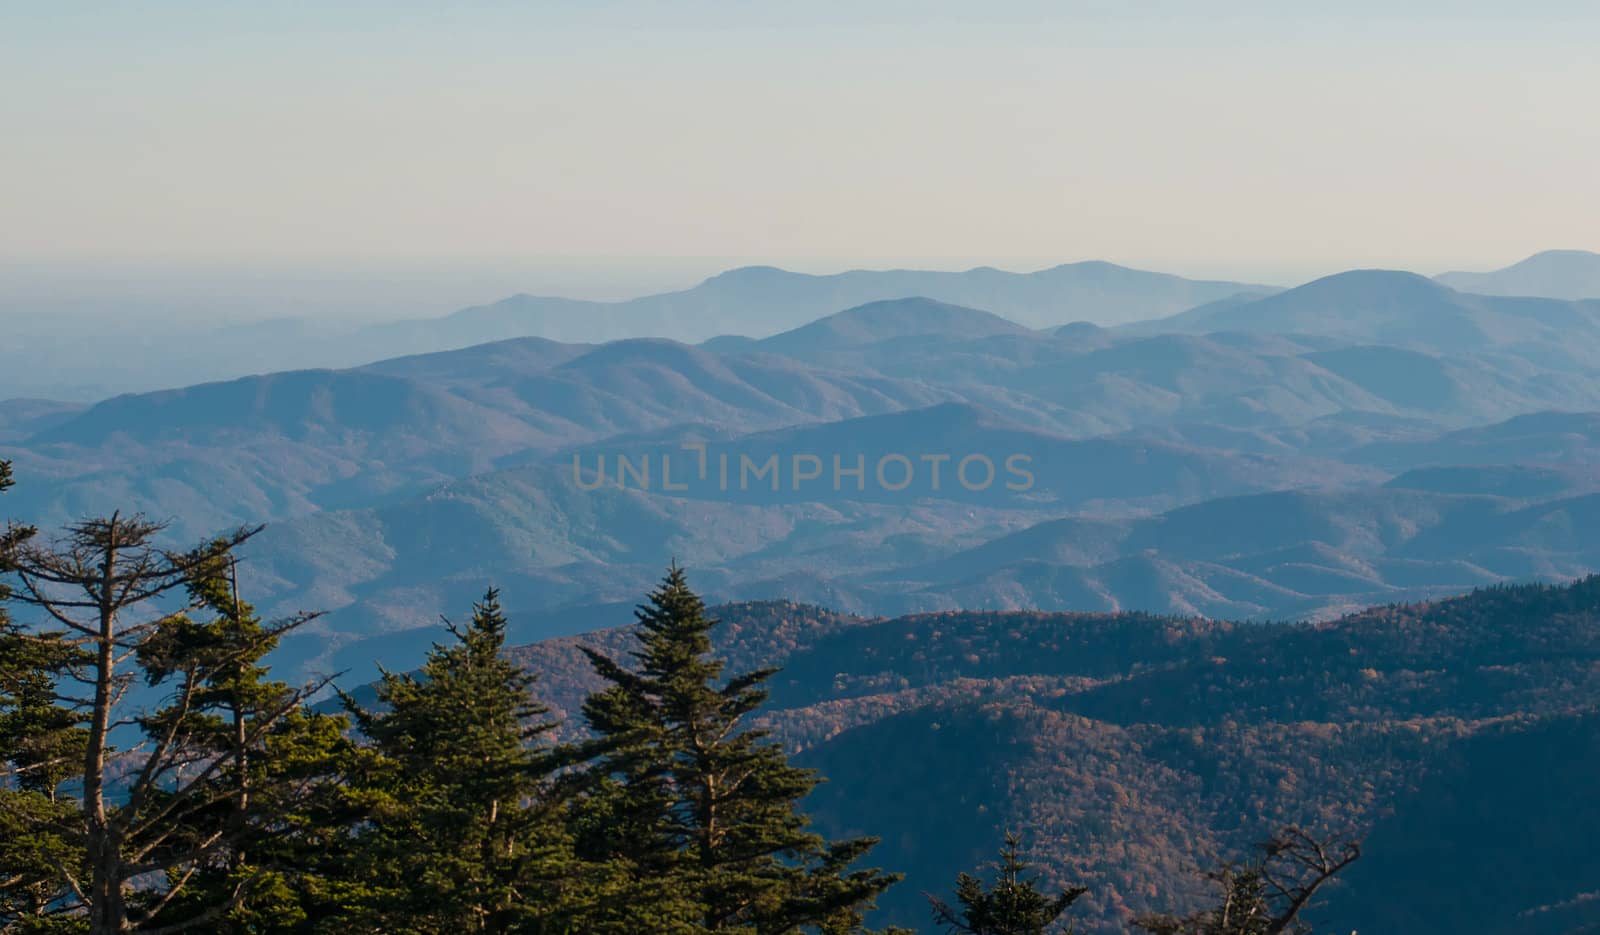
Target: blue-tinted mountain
column 890, row 320
column 288, row 444
column 20, row 418
column 1399, row 308
column 481, row 364
column 1552, row 274
column 761, row 300
column 1540, row 438
column 760, row 521
column 753, row 301
column 1286, row 554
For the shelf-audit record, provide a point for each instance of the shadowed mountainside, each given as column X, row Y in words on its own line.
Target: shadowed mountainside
column 1124, row 748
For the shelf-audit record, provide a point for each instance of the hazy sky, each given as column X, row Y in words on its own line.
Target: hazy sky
column 1272, row 140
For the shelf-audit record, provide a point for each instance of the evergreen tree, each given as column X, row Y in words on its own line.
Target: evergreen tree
column 1013, row 905
column 174, row 804
column 698, row 812
column 41, row 747
column 277, row 800
column 461, row 834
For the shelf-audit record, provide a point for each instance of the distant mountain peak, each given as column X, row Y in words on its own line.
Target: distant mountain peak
column 1587, row 255
column 1358, row 289
column 1085, row 265
column 1552, row 274
column 639, row 351
column 751, row 275
column 1077, row 329
column 1386, row 279
column 919, row 305
column 894, row 318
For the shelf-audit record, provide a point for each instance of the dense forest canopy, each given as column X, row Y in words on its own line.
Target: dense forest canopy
column 747, row 768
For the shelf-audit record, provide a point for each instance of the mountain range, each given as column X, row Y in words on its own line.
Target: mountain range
column 731, row 308
column 1379, row 436
column 1139, row 589
column 751, row 301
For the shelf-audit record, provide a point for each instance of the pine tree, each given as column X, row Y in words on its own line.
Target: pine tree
column 698, row 810
column 461, row 833
column 171, row 805
column 1013, row 905
column 276, row 802
column 41, row 747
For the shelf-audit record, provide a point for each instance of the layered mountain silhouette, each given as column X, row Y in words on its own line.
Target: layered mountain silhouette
column 1266, row 456
column 753, row 301
column 1097, row 581
column 1143, row 526
column 763, row 300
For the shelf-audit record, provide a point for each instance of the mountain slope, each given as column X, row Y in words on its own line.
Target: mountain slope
column 1399, row 308
column 286, row 444
column 1552, row 274
column 296, row 405
column 1290, row 554
column 1128, row 750
column 1544, row 438
column 552, row 527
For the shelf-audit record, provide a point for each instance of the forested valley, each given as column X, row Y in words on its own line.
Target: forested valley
column 659, row 777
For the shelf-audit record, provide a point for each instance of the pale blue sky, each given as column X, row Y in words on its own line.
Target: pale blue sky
column 1272, row 140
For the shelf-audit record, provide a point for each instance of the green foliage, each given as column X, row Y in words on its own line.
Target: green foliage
column 34, row 854
column 142, row 812
column 41, row 739
column 1013, row 905
column 682, row 790
column 448, row 809
column 459, row 830
column 273, row 801
column 41, row 746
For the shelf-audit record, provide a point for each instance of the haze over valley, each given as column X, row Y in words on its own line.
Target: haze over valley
column 837, row 468
column 1199, row 448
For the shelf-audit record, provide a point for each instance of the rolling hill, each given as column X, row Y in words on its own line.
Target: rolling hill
column 536, row 529
column 283, row 445
column 1108, row 525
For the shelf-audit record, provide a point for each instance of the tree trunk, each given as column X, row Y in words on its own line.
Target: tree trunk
column 106, row 912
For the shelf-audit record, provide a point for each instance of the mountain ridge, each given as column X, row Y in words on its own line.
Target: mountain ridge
column 1126, row 748
column 1552, row 274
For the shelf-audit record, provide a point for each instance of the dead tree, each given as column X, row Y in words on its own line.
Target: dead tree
column 1268, row 895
